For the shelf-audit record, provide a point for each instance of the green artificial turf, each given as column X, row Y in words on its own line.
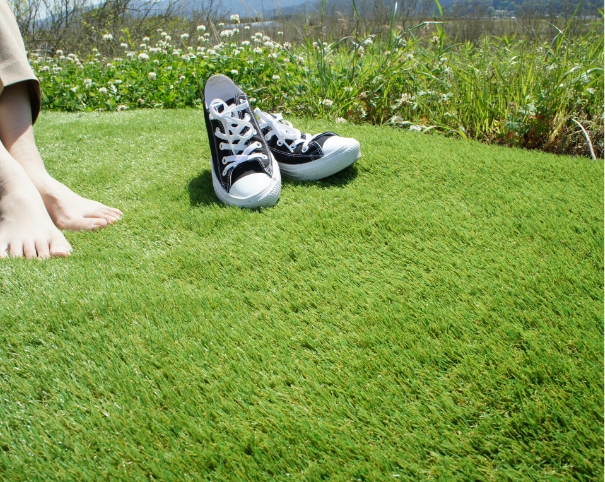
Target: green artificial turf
column 433, row 312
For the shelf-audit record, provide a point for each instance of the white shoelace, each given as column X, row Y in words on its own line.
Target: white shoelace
column 234, row 135
column 283, row 130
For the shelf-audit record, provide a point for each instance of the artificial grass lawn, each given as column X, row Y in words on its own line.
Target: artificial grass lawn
column 434, row 312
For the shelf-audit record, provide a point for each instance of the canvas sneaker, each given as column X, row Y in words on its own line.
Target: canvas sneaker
column 244, row 172
column 303, row 156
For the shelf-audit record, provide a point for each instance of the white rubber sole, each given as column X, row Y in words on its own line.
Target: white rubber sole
column 324, row 167
column 264, row 199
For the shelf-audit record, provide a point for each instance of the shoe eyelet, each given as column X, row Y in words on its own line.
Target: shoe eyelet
column 224, row 161
column 305, row 149
column 220, row 146
column 265, row 157
column 280, row 143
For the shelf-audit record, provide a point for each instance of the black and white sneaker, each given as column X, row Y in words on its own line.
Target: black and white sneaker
column 303, row 156
column 244, row 173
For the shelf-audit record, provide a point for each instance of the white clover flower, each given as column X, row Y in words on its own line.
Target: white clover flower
column 286, row 60
column 164, row 34
column 117, row 81
column 234, row 72
column 327, row 102
column 74, row 89
column 256, row 40
column 103, row 90
column 258, row 50
column 168, row 38
column 201, row 28
column 226, row 33
column 186, row 57
column 245, row 43
column 415, row 128
column 97, row 55
column 275, row 77
column 287, row 45
column 590, row 90
column 108, row 37
column 152, row 75
column 60, row 52
column 156, row 62
column 207, row 35
column 409, row 57
column 348, row 88
column 143, row 57
column 169, row 67
column 211, row 52
column 221, row 24
column 250, row 62
column 122, row 107
column 87, row 82
column 257, row 34
column 280, row 33
column 185, row 36
column 252, row 99
column 236, row 30
column 273, row 56
column 340, row 120
column 234, row 18
column 57, row 68
column 109, row 64
column 146, row 39
column 124, row 46
column 155, row 50
column 131, row 55
column 246, row 27
column 44, row 68
column 266, row 38
column 269, row 44
column 63, row 57
column 143, row 46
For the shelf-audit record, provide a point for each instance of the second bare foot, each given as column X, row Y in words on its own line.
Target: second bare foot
column 70, row 211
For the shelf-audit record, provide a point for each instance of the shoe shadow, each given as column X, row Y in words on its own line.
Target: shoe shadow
column 201, row 191
column 339, row 179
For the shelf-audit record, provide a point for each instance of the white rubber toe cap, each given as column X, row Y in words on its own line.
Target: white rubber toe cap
column 335, row 143
column 250, row 185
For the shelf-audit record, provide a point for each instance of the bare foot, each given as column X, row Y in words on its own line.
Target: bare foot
column 66, row 208
column 70, row 211
column 25, row 227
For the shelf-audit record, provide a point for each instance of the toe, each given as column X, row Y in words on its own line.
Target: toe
column 59, row 247
column 42, row 249
column 4, row 250
column 29, row 249
column 16, row 249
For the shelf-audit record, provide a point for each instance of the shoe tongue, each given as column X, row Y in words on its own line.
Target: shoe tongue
column 239, row 99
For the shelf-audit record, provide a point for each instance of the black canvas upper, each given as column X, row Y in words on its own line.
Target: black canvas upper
column 283, row 155
column 249, row 167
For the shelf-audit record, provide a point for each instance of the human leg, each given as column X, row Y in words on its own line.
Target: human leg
column 25, row 226
column 67, row 209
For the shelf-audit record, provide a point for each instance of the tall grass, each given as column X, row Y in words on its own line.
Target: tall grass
column 517, row 92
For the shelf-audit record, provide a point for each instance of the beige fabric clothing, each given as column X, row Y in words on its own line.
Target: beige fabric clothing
column 14, row 66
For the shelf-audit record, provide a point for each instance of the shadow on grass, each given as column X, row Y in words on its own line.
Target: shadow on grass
column 201, row 191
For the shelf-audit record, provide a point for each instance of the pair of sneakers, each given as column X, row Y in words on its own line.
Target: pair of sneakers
column 250, row 149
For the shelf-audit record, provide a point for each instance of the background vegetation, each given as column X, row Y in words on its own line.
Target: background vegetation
column 538, row 85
